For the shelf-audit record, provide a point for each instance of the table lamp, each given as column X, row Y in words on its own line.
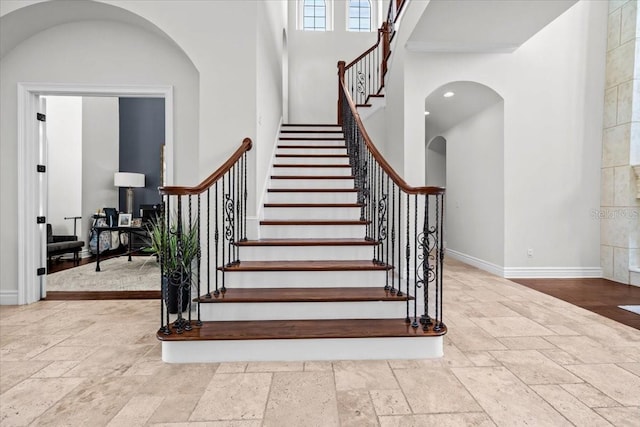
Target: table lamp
column 128, row 180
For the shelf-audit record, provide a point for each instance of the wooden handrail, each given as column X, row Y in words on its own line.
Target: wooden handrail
column 211, row 179
column 397, row 179
column 366, row 52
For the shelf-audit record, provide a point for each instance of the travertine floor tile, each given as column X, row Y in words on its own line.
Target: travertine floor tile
column 28, row 400
column 511, row 327
column 506, row 399
column 180, row 379
column 355, row 409
column 233, row 397
column 29, row 346
column 109, row 360
column 56, row 369
column 63, row 352
column 231, row 423
column 612, row 380
column 621, row 416
column 589, row 395
column 534, row 368
column 481, row 358
column 475, row 419
column 175, row 408
column 318, row 366
column 634, row 367
column 473, row 338
column 275, row 366
column 137, row 411
column 13, row 372
column 574, row 410
column 587, row 350
column 389, row 402
column 419, row 385
column 231, row 368
column 302, row 398
column 526, row 343
column 365, row 374
column 561, row 357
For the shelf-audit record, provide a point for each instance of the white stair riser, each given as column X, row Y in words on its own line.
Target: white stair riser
column 312, row 160
column 312, row 183
column 314, row 151
column 311, row 171
column 312, row 213
column 307, row 129
column 305, row 253
column 312, row 231
column 334, row 142
column 311, row 197
column 330, row 133
column 295, row 279
column 302, row 310
column 302, row 350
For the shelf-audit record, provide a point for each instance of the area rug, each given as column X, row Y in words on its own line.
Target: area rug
column 117, row 274
column 632, row 308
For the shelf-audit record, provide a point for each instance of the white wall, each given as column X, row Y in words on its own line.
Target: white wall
column 64, row 165
column 313, row 71
column 553, row 89
column 100, row 158
column 475, row 186
column 436, row 164
column 96, row 52
column 376, row 126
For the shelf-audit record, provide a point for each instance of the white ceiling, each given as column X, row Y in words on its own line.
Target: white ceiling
column 482, row 25
column 470, row 98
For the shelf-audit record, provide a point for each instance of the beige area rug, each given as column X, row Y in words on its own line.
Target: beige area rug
column 118, row 274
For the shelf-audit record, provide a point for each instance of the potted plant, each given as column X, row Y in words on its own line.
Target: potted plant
column 163, row 243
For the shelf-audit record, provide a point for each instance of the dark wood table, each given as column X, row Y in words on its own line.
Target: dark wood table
column 140, row 231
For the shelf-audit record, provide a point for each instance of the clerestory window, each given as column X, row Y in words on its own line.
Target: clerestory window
column 314, row 15
column 359, row 15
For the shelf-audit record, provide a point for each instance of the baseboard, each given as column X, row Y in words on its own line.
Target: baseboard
column 8, row 297
column 553, row 272
column 476, row 262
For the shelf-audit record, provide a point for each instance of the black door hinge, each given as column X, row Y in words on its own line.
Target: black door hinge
column 42, row 271
column 41, row 117
column 41, row 220
column 42, row 168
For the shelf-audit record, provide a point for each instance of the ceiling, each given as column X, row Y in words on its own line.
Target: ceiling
column 482, row 26
column 470, row 98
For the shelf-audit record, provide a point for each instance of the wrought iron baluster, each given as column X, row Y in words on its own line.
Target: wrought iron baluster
column 164, row 284
column 439, row 215
column 216, row 239
column 189, row 268
column 208, row 242
column 244, row 236
column 179, row 323
column 199, row 253
column 224, row 260
column 407, row 258
column 415, row 262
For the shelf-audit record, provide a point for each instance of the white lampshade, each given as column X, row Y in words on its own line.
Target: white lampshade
column 128, row 179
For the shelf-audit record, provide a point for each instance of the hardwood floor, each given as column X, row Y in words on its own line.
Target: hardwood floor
column 597, row 295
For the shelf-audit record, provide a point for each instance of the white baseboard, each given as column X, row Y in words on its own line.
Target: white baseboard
column 527, row 272
column 9, row 297
column 553, row 272
column 476, row 262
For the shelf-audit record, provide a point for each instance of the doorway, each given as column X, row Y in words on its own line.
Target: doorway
column 32, row 187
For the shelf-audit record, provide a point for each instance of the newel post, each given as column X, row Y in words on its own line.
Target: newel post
column 341, row 66
column 386, row 50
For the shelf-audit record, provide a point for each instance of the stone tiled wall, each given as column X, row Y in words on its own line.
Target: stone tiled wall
column 620, row 207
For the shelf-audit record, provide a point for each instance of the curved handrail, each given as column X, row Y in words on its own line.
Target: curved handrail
column 397, row 179
column 211, row 179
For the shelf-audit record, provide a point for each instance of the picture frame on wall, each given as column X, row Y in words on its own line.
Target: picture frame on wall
column 124, row 220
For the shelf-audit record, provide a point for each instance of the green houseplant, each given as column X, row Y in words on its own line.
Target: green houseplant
column 163, row 243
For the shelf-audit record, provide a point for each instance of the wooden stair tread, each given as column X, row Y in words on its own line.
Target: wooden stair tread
column 301, row 329
column 307, row 165
column 312, row 177
column 313, row 205
column 310, row 131
column 313, row 222
column 341, row 265
column 234, row 295
column 314, row 156
column 307, row 242
column 312, row 125
column 311, row 138
column 312, row 190
column 313, row 147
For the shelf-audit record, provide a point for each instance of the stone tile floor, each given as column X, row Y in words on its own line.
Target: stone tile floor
column 513, row 356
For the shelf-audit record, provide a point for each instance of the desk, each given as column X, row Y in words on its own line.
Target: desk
column 140, row 231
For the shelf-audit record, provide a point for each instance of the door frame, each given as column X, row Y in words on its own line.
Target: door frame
column 30, row 285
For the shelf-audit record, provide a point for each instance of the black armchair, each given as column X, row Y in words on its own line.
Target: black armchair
column 63, row 244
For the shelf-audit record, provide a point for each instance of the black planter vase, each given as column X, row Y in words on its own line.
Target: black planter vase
column 171, row 287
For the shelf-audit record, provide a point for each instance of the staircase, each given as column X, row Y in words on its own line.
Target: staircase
column 308, row 289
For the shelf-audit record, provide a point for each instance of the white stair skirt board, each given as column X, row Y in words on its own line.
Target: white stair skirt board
column 312, row 197
column 311, row 279
column 314, row 151
column 312, row 231
column 298, row 182
column 287, row 142
column 312, row 160
column 632, row 308
column 302, row 350
column 305, row 253
column 328, row 213
column 302, row 310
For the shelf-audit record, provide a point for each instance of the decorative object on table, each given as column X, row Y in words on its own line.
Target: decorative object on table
column 163, row 243
column 136, row 222
column 129, row 180
column 124, row 220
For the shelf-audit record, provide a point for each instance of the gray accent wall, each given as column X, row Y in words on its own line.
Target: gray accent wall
column 142, row 128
